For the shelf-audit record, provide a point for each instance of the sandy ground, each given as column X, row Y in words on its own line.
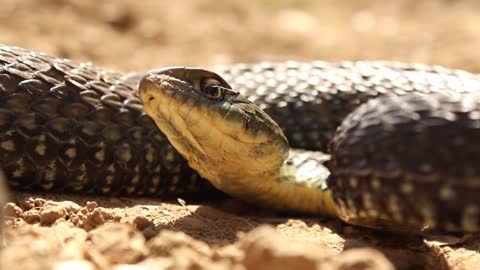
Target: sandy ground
column 46, row 231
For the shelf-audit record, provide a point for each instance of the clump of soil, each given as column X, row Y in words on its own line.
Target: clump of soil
column 46, row 234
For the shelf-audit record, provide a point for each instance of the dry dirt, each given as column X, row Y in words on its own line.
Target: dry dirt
column 45, row 231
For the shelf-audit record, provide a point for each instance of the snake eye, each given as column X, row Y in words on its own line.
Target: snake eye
column 212, row 89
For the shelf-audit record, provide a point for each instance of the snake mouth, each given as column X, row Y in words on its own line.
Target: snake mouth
column 170, row 101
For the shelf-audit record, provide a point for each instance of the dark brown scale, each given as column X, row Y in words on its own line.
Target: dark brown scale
column 67, row 127
column 416, row 157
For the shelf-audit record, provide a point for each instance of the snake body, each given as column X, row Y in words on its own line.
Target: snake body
column 69, row 126
column 75, row 127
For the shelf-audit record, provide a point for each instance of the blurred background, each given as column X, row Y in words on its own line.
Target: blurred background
column 136, row 35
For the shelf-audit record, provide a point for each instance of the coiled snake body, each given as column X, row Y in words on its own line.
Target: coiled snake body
column 404, row 161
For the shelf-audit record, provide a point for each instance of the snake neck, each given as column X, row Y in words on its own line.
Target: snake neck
column 297, row 185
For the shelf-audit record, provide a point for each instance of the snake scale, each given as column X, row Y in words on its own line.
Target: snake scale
column 403, row 137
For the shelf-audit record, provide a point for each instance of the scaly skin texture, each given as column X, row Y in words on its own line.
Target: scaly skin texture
column 410, row 163
column 75, row 127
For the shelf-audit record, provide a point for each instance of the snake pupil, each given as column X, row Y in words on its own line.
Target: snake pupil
column 213, row 91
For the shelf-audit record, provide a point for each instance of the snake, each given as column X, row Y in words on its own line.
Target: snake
column 379, row 144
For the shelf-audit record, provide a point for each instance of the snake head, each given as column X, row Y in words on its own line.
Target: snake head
column 221, row 133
